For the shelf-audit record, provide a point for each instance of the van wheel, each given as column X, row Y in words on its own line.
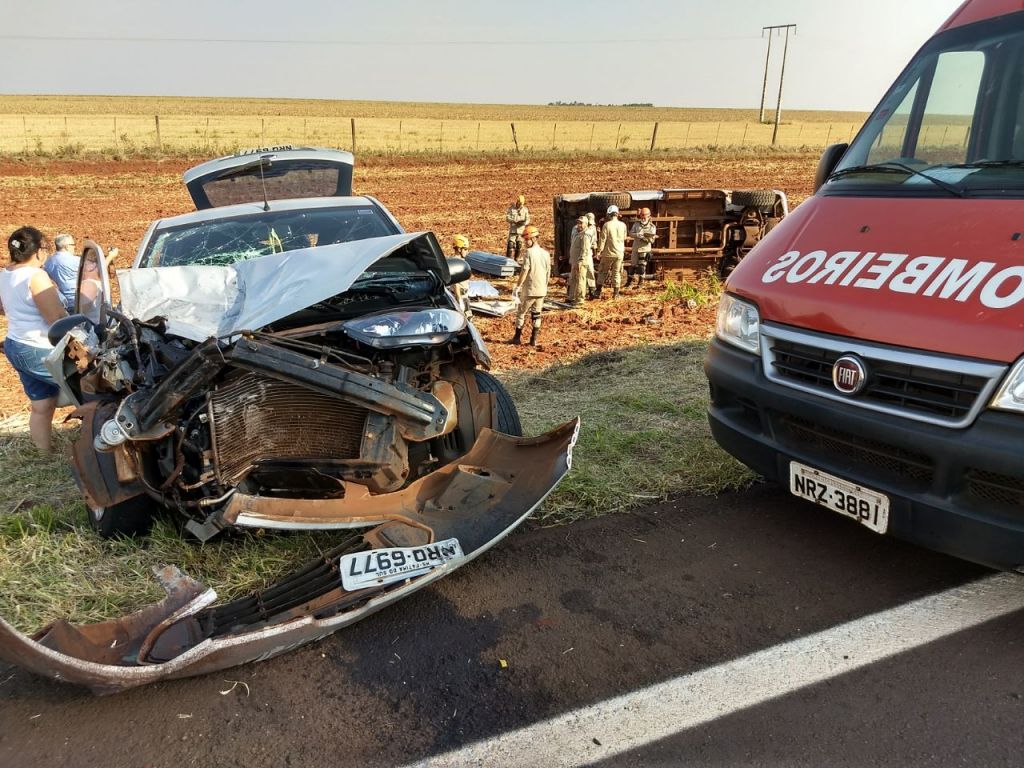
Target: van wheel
column 133, row 517
column 754, row 198
column 508, row 416
column 601, row 200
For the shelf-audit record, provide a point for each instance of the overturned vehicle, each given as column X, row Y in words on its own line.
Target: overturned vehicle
column 267, row 368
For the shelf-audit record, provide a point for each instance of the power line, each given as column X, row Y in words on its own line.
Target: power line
column 363, row 42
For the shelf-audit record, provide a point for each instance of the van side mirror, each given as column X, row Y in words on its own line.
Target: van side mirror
column 828, row 162
column 459, row 269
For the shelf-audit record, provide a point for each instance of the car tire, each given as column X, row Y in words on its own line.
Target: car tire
column 754, row 198
column 507, row 415
column 133, row 517
column 601, row 200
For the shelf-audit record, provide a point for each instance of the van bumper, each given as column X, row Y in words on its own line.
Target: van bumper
column 958, row 491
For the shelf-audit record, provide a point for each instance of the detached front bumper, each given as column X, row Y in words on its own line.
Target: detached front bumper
column 958, row 491
column 478, row 500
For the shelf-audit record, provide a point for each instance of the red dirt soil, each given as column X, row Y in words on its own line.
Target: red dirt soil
column 114, row 202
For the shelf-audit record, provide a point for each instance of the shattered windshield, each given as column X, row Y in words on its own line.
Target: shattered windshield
column 240, row 238
column 953, row 124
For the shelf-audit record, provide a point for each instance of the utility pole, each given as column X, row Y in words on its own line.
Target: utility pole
column 782, row 73
column 767, row 58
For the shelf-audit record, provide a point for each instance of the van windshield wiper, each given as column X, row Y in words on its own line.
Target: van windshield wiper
column 990, row 164
column 894, row 167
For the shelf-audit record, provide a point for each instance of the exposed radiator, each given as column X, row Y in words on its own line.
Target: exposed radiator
column 256, row 418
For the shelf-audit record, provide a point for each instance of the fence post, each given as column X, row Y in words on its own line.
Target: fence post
column 24, row 127
column 944, row 132
column 478, row 136
column 115, row 133
column 654, row 136
column 553, row 129
column 617, row 132
column 159, row 140
column 206, row 135
column 353, row 135
column 514, row 139
column 686, row 138
column 718, row 132
column 263, row 132
column 440, row 137
column 303, row 130
column 743, row 141
column 399, row 136
column 829, row 134
column 591, row 146
column 65, row 129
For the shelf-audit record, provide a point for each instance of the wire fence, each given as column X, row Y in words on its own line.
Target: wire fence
column 74, row 134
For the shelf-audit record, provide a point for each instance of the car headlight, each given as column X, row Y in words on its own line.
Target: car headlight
column 738, row 324
column 1010, row 395
column 421, row 327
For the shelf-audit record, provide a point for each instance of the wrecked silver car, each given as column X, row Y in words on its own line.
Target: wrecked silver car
column 291, row 364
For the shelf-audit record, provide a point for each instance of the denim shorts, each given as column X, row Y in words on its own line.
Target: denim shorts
column 28, row 362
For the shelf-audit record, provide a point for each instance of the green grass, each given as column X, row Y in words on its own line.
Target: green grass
column 644, row 431
column 644, row 436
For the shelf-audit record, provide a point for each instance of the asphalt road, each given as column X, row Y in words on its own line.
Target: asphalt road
column 554, row 620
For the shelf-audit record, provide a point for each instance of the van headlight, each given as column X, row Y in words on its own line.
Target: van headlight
column 1010, row 395
column 424, row 327
column 738, row 324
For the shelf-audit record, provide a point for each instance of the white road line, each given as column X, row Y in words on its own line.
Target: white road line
column 642, row 717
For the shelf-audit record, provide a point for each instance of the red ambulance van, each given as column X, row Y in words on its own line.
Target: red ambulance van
column 869, row 352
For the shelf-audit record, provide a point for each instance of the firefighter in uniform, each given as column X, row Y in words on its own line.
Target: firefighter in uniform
column 580, row 250
column 460, row 245
column 591, row 274
column 518, row 218
column 644, row 233
column 611, row 249
column 532, row 287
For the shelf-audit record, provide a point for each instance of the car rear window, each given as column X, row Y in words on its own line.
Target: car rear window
column 239, row 238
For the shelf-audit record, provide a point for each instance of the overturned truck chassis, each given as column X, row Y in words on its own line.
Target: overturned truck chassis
column 276, row 431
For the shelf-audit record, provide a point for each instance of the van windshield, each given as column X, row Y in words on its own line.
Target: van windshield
column 953, row 124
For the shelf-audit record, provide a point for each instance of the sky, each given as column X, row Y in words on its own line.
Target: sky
column 681, row 53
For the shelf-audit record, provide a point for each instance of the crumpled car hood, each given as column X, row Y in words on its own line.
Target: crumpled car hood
column 202, row 301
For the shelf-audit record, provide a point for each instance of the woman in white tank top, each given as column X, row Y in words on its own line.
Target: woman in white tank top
column 31, row 302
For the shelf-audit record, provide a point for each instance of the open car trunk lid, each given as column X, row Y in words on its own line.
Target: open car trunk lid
column 287, row 173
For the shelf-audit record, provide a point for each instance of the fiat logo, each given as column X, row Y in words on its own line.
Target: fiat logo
column 849, row 375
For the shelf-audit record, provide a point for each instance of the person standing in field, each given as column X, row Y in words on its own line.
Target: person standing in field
column 644, row 233
column 532, row 287
column 518, row 218
column 611, row 249
column 460, row 247
column 591, row 275
column 32, row 303
column 580, row 254
column 62, row 267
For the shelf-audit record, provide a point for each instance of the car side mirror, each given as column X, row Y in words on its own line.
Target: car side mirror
column 459, row 270
column 91, row 246
column 828, row 162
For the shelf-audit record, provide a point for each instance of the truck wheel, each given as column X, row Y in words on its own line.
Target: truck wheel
column 601, row 200
column 508, row 416
column 754, row 198
column 133, row 517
